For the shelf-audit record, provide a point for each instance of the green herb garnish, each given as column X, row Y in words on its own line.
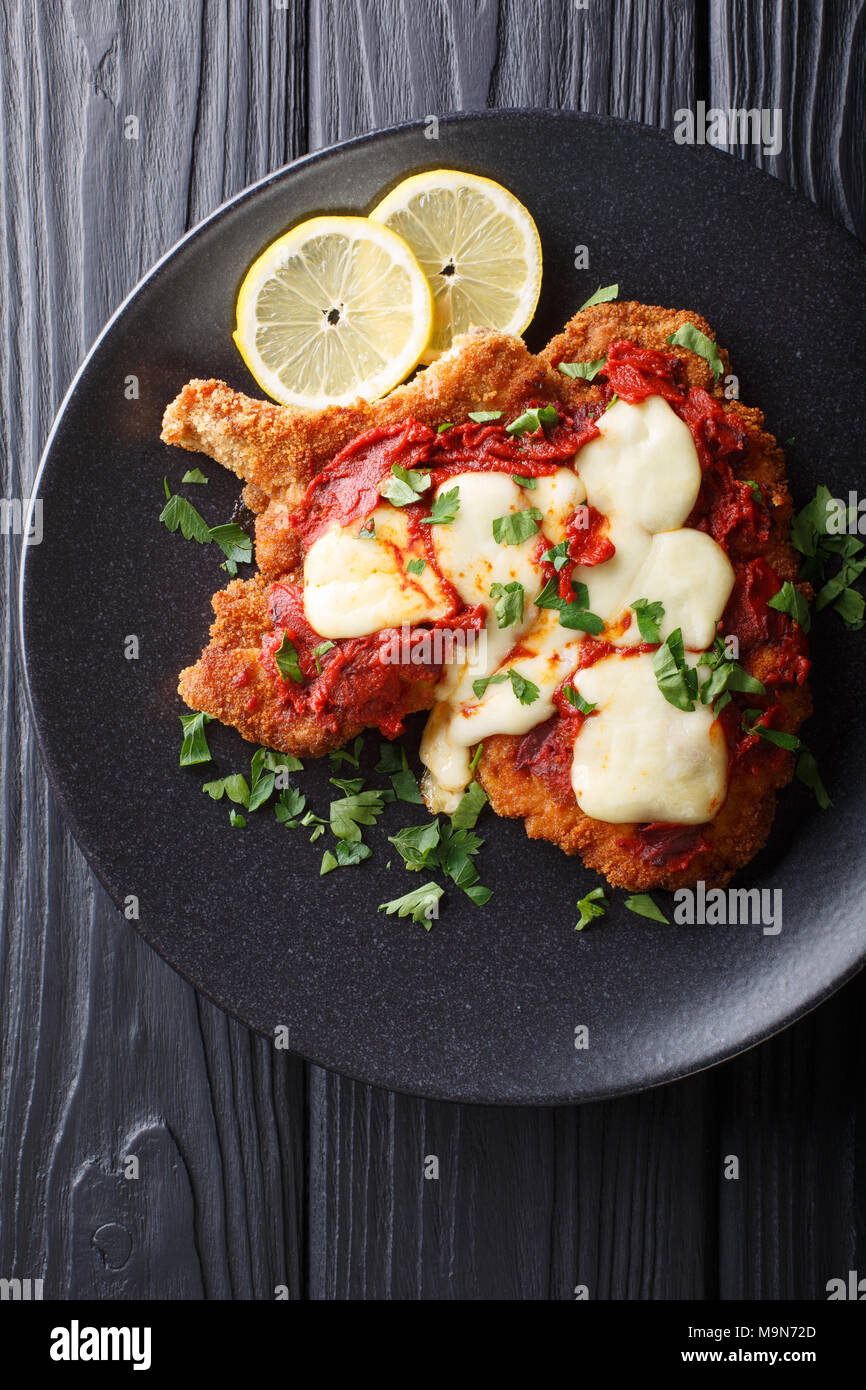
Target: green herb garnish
column 533, row 420
column 194, row 748
column 644, row 906
column 405, row 485
column 603, row 294
column 516, row 527
column 287, row 662
column 648, row 615
column 509, row 603
column 586, row 371
column 677, row 681
column 595, row 904
column 688, row 336
column 790, row 600
column 483, row 417
column 444, row 510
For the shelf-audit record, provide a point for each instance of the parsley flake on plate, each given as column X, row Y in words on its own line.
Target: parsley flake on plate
column 194, row 748
column 420, row 904
column 484, row 417
column 594, row 904
column 644, row 906
column 603, row 295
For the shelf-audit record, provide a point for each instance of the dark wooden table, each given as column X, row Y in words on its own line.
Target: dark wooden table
column 256, row 1170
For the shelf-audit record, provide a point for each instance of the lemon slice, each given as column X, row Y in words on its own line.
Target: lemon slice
column 477, row 245
column 335, row 309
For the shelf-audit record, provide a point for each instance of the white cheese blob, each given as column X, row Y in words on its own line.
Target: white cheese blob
column 638, row 758
column 557, row 496
column 611, row 585
column 690, row 574
column 644, row 465
column 354, row 586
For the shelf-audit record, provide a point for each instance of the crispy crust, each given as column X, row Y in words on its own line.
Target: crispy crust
column 277, row 451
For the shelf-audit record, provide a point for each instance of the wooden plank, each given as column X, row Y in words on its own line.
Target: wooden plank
column 808, row 60
column 106, row 1053
column 787, row 1111
column 530, row 1203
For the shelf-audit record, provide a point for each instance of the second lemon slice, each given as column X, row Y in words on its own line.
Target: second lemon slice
column 477, row 245
column 335, row 309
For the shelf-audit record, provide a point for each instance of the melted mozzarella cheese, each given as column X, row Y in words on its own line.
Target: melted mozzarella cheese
column 557, row 496
column 611, row 585
column 638, row 758
column 354, row 586
column 690, row 574
column 643, row 466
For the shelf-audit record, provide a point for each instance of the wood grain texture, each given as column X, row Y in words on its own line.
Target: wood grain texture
column 106, row 1054
column 808, row 59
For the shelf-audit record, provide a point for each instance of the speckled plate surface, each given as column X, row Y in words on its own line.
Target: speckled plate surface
column 485, row 1006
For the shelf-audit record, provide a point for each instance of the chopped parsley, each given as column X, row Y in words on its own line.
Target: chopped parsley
column 725, row 675
column 405, row 485
column 348, row 814
column 754, row 488
column 516, row 527
column 483, row 417
column 476, row 757
column 178, row 512
column 416, row 566
column 790, row 600
column 232, row 540
column 194, row 748
column 573, row 613
column 586, row 371
column 367, row 532
column 644, row 906
column 594, row 904
column 235, row 544
column 319, row 652
column 575, row 698
column 819, row 532
column 648, row 615
column 235, row 787
column 677, row 681
column 329, row 862
column 557, row 555
column 444, row 510
column 193, row 475
column 420, row 904
column 290, row 806
column 531, row 483
column 805, row 767
column 446, row 425
column 509, row 603
column 603, row 294
column 237, row 820
column 287, row 661
column 525, row 690
column 688, row 336
column 533, row 420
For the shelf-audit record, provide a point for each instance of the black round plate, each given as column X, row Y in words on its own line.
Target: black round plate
column 485, row 1006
